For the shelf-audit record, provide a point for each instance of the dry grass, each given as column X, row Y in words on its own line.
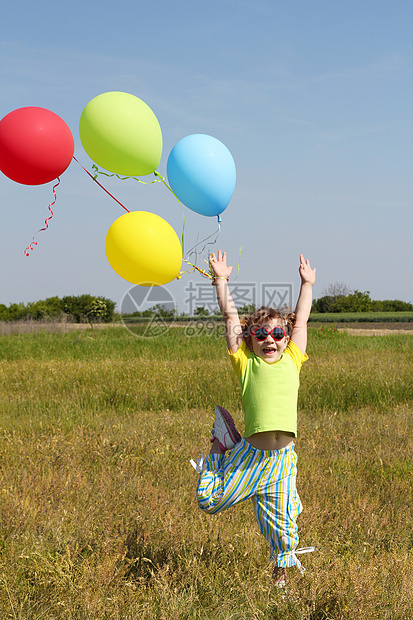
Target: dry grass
column 97, row 498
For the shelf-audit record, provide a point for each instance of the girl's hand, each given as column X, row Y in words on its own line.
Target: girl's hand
column 306, row 273
column 219, row 265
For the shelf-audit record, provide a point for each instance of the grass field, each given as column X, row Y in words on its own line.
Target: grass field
column 98, row 516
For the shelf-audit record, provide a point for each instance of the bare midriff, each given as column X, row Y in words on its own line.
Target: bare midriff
column 271, row 440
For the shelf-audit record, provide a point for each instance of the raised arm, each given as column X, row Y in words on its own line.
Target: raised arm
column 222, row 271
column 303, row 308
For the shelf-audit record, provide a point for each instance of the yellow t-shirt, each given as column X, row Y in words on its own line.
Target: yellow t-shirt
column 269, row 391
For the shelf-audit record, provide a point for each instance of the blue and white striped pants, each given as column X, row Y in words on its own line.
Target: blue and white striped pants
column 268, row 477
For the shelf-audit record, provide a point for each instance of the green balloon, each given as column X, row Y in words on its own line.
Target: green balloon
column 121, row 133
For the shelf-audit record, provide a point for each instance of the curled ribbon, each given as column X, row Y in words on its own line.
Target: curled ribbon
column 30, row 247
column 207, row 274
column 210, row 273
column 97, row 172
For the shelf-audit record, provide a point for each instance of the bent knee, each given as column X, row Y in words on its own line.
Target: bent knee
column 208, row 504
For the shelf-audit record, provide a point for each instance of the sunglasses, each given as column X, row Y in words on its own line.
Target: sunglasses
column 261, row 333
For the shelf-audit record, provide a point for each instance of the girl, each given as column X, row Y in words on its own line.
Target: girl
column 267, row 350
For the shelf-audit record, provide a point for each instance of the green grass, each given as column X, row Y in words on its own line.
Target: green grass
column 97, row 498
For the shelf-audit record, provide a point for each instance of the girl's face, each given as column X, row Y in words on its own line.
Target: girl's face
column 270, row 349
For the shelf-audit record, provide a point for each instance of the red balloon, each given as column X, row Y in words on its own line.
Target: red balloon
column 36, row 145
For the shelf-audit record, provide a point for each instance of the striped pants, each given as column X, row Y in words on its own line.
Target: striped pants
column 268, row 477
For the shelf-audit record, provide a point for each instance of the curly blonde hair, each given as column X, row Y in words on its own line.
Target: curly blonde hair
column 264, row 315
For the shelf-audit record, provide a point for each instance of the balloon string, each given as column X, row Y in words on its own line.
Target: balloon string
column 97, row 171
column 192, row 250
column 100, row 185
column 30, row 247
column 208, row 274
column 159, row 179
column 239, row 262
column 162, row 179
column 216, row 233
column 203, row 272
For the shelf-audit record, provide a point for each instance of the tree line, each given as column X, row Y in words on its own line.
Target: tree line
column 351, row 302
column 357, row 301
column 87, row 308
column 77, row 309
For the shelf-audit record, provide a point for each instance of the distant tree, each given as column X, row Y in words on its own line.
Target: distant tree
column 337, row 289
column 4, row 313
column 51, row 308
column 323, row 304
column 331, row 295
column 217, row 312
column 395, row 305
column 247, row 309
column 96, row 311
column 378, row 306
column 201, row 311
column 109, row 316
column 161, row 310
column 17, row 312
column 355, row 302
column 54, row 306
column 158, row 310
column 81, row 308
column 76, row 306
column 36, row 310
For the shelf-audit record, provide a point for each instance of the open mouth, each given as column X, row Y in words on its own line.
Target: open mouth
column 269, row 350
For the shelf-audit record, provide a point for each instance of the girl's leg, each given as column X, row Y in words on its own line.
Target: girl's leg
column 229, row 478
column 276, row 509
column 276, row 515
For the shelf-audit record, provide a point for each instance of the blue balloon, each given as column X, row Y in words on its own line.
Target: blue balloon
column 201, row 172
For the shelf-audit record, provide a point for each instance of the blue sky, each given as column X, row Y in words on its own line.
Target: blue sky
column 313, row 99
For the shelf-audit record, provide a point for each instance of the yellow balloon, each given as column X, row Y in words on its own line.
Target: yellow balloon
column 143, row 249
